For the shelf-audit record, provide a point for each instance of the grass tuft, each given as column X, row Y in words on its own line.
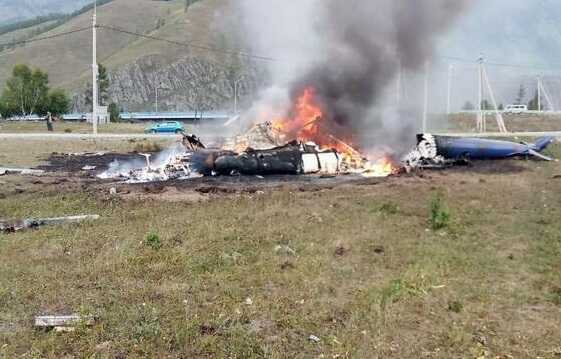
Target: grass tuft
column 455, row 306
column 153, row 241
column 439, row 217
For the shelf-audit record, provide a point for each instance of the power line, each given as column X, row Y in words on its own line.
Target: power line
column 15, row 43
column 190, row 45
column 499, row 64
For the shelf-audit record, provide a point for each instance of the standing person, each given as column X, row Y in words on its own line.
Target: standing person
column 49, row 122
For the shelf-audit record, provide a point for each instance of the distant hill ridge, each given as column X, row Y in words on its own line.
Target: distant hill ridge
column 12, row 11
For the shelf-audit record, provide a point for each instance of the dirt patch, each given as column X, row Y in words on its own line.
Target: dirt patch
column 75, row 163
column 167, row 194
column 509, row 166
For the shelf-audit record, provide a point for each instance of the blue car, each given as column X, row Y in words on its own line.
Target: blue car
column 165, row 127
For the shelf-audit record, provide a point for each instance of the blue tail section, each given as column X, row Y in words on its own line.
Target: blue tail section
column 542, row 143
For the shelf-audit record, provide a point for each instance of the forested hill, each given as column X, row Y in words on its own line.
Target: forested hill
column 18, row 10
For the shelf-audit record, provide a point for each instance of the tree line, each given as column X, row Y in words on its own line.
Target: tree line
column 27, row 92
column 533, row 104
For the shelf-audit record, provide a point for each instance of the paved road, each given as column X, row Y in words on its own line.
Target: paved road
column 77, row 136
column 121, row 136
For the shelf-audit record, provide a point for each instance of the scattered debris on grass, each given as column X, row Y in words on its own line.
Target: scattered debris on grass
column 314, row 339
column 32, row 223
column 63, row 323
column 20, row 171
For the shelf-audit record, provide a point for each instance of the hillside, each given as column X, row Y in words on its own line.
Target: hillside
column 11, row 10
column 190, row 78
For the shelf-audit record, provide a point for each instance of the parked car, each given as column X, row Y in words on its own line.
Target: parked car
column 516, row 109
column 165, row 127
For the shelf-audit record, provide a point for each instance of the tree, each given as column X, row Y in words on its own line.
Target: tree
column 103, row 84
column 26, row 92
column 501, row 107
column 468, row 106
column 486, row 105
column 534, row 103
column 114, row 112
column 521, row 95
column 58, row 102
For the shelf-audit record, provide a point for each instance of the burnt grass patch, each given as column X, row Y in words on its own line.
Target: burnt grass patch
column 67, row 163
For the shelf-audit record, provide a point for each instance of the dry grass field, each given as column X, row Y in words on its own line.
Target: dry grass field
column 466, row 123
column 362, row 267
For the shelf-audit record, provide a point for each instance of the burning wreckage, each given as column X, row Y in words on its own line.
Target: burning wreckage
column 303, row 143
column 297, row 145
column 192, row 159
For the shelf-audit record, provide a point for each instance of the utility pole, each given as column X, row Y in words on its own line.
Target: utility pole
column 498, row 115
column 449, row 98
column 399, row 84
column 547, row 97
column 539, row 94
column 236, row 85
column 426, row 104
column 480, row 125
column 157, row 87
column 94, row 70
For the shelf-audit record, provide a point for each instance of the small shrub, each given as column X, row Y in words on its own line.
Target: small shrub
column 147, row 325
column 67, row 130
column 393, row 292
column 153, row 241
column 389, row 209
column 555, row 296
column 455, row 306
column 439, row 214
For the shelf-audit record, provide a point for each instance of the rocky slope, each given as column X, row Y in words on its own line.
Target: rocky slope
column 187, row 84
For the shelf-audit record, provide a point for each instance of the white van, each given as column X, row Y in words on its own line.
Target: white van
column 516, row 109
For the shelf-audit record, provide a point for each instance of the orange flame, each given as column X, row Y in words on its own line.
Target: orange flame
column 382, row 167
column 307, row 124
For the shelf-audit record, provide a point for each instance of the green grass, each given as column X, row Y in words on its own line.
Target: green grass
column 490, row 285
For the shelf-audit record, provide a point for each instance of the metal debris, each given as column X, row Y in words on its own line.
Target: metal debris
column 20, row 171
column 314, row 338
column 433, row 151
column 15, row 226
column 62, row 322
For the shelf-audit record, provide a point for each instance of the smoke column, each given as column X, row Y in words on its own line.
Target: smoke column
column 350, row 52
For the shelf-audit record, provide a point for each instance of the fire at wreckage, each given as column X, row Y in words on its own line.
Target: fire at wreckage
column 304, row 143
column 265, row 155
